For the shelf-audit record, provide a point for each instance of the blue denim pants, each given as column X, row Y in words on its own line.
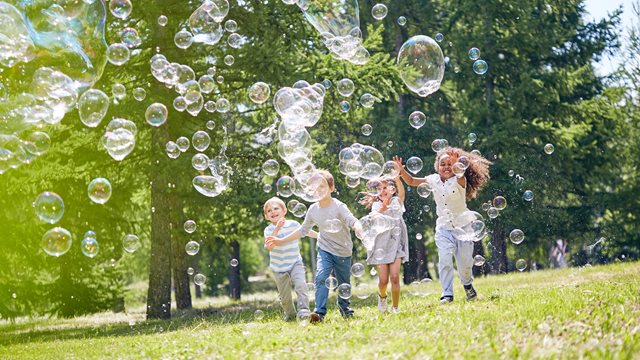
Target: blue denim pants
column 341, row 266
column 448, row 248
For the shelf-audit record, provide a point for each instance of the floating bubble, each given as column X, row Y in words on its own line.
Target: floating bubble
column 549, row 149
column 414, row 164
column 426, row 208
column 139, row 94
column 357, row 269
column 366, row 129
column 352, row 182
column 89, row 245
column 390, row 169
column 267, row 188
column 493, row 212
column 220, row 79
column 345, row 106
column 373, row 187
column 199, row 279
column 474, row 53
column 200, row 140
column 499, row 202
column 200, row 161
column 271, row 167
column 363, row 291
column 183, row 143
column 458, row 169
column 367, row 100
column 511, row 172
column 156, row 114
column 223, row 105
column 439, row 144
column 190, row 226
column 478, row 260
column 130, row 37
column 259, row 92
column 229, row 60
column 179, row 103
column 118, row 54
column 258, row 315
column 379, row 11
column 528, row 195
column 345, row 87
column 326, row 83
column 162, row 20
column 469, row 226
column 172, row 149
column 234, row 262
column 192, row 248
column 331, row 283
column 284, row 186
column 234, row 40
column 521, row 264
column 92, row 107
column 119, row 138
column 516, row 236
column 211, row 125
column 480, row 67
column 57, row 241
column 299, row 210
column 210, row 186
column 421, row 65
column 49, row 207
column 231, row 26
column 402, row 21
column 472, row 138
column 118, row 91
column 99, row 190
column 417, row 119
column 418, row 236
column 120, row 8
column 37, row 143
column 476, row 152
column 130, row 243
column 439, row 37
column 190, row 271
column 373, row 272
column 183, row 39
column 210, row 106
column 344, row 291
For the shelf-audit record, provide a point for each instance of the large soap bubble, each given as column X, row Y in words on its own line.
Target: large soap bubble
column 99, row 190
column 92, row 107
column 301, row 105
column 120, row 138
column 89, row 245
column 421, row 65
column 210, row 186
column 205, row 25
column 361, row 161
column 57, row 241
column 49, row 207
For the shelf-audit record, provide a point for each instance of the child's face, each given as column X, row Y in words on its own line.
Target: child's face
column 445, row 164
column 274, row 212
column 386, row 190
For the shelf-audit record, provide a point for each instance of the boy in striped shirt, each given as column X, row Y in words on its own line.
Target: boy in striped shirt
column 284, row 259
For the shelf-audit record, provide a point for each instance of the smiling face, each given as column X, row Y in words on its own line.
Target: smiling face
column 274, row 211
column 386, row 190
column 445, row 163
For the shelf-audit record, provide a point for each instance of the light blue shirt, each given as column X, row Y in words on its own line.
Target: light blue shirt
column 283, row 257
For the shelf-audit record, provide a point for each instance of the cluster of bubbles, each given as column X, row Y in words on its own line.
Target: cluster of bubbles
column 494, row 207
column 338, row 22
column 204, row 24
column 480, row 66
column 360, row 161
column 49, row 54
column 214, row 184
column 421, row 65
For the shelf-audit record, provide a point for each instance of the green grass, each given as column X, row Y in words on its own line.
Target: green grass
column 574, row 313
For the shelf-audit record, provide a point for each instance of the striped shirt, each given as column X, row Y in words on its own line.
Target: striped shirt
column 283, row 257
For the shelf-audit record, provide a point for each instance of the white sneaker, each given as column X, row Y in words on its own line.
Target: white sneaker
column 395, row 310
column 382, row 303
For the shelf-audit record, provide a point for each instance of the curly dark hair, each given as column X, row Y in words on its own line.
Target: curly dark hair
column 477, row 174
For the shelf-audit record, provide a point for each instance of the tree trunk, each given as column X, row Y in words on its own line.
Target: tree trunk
column 498, row 248
column 312, row 253
column 478, row 249
column 234, row 271
column 179, row 263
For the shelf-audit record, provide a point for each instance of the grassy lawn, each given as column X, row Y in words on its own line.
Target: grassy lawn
column 574, row 313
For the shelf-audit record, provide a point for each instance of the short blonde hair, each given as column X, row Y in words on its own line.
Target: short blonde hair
column 273, row 201
column 328, row 177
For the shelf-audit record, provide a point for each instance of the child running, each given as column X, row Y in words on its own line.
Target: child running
column 285, row 260
column 334, row 221
column 390, row 247
column 450, row 192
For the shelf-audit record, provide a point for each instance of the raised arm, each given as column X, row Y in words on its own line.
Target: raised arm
column 400, row 189
column 406, row 177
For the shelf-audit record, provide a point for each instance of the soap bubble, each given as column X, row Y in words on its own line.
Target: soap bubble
column 352, row 182
column 299, row 210
column 258, row 315
column 118, row 54
column 120, row 8
column 206, row 83
column 183, row 143
column 190, row 271
column 438, row 145
column 439, row 37
column 472, row 138
column 229, row 60
column 89, row 245
column 99, row 190
column 366, row 129
column 424, row 190
column 130, row 37
column 421, row 65
column 92, row 107
column 378, row 254
column 345, row 87
column 231, row 26
column 284, row 186
column 458, row 169
column 363, row 291
column 499, row 202
column 259, row 92
column 267, row 188
column 357, row 269
column 183, row 39
column 373, row 187
column 345, row 106
column 172, row 149
column 223, row 105
column 327, row 83
column 469, row 226
column 521, row 264
column 200, row 161
column 49, row 207
column 130, row 243
column 379, row 11
column 118, row 91
column 474, row 53
column 402, row 21
column 549, row 149
column 331, row 283
column 271, row 167
column 233, row 262
column 480, row 67
column 516, row 236
column 493, row 212
column 57, row 241
column 200, row 140
column 417, row 119
column 418, row 236
column 156, row 114
column 162, row 20
column 210, row 106
column 344, row 291
column 192, row 248
column 414, row 164
column 367, row 100
column 528, row 195
column 390, row 169
column 119, row 138
column 478, row 260
column 199, row 279
column 234, row 40
column 210, row 186
column 139, row 93
column 37, row 143
column 190, row 226
column 211, row 124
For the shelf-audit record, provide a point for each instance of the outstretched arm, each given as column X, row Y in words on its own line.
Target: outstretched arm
column 400, row 189
column 272, row 241
column 312, row 234
column 406, row 177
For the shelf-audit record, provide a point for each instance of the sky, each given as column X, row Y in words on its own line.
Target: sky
column 598, row 9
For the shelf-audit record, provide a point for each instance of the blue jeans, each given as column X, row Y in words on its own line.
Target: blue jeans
column 327, row 262
column 448, row 248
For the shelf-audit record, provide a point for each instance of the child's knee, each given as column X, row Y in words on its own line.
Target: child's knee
column 395, row 279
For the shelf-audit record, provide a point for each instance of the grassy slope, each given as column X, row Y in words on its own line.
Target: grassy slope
column 591, row 312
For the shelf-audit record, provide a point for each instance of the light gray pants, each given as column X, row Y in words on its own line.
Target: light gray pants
column 449, row 247
column 283, row 282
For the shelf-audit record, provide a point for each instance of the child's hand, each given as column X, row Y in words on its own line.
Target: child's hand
column 453, row 154
column 398, row 161
column 386, row 202
column 280, row 223
column 270, row 242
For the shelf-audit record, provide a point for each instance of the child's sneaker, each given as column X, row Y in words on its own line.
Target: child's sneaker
column 395, row 310
column 382, row 303
column 471, row 292
column 315, row 318
column 446, row 300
